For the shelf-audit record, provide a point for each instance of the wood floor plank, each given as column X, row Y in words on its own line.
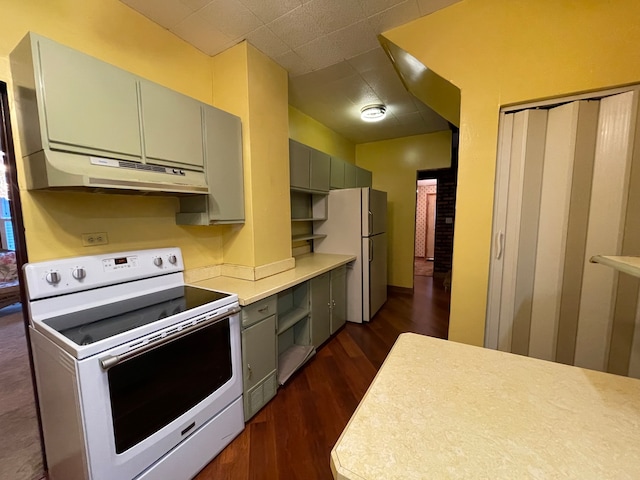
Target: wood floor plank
column 292, row 436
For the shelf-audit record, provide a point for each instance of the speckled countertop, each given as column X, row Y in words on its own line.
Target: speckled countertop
column 307, row 267
column 444, row 410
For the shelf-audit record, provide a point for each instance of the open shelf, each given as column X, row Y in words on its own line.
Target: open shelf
column 289, row 319
column 626, row 264
column 309, row 236
column 307, row 219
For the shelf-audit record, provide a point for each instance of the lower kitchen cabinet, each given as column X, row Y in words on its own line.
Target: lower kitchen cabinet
column 338, row 298
column 328, row 304
column 259, row 358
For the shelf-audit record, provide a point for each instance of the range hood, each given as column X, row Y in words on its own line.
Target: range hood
column 54, row 170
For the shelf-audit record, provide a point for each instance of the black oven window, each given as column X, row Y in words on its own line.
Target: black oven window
column 153, row 389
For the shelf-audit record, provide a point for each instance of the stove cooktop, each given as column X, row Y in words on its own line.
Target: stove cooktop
column 95, row 324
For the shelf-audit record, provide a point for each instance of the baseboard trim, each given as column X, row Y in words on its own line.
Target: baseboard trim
column 401, row 290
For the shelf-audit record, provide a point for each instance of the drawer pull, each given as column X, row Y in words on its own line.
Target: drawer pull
column 249, row 370
column 264, row 309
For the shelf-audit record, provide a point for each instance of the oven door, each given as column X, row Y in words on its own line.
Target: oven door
column 139, row 403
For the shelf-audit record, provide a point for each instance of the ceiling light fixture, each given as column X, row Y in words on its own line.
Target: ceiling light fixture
column 373, row 113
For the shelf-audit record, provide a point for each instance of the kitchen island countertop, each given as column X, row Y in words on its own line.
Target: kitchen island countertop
column 249, row 291
column 439, row 409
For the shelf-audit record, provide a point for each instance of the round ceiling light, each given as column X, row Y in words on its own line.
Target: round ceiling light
column 373, row 113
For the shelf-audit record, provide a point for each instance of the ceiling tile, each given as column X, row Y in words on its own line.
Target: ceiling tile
column 398, row 15
column 320, row 53
column 408, row 118
column 296, row 27
column 267, row 42
column 354, row 40
column 198, row 33
column 371, row 60
column 430, row 6
column 331, row 15
column 166, row 13
column 433, row 121
column 292, row 62
column 230, row 17
column 371, row 7
column 195, row 5
column 269, row 10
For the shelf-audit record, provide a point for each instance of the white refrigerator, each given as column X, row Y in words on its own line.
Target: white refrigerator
column 357, row 225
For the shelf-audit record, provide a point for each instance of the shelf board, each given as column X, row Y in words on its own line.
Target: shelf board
column 289, row 319
column 307, row 219
column 308, row 236
column 292, row 359
column 630, row 265
column 308, row 190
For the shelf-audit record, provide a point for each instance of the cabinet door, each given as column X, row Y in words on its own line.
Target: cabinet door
column 337, row 173
column 299, row 159
column 90, row 106
column 172, row 126
column 223, row 152
column 338, row 298
column 258, row 351
column 320, row 309
column 320, row 171
column 349, row 175
column 364, row 178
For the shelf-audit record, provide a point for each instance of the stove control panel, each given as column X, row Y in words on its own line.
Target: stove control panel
column 67, row 275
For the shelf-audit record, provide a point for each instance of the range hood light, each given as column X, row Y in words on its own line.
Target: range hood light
column 373, row 113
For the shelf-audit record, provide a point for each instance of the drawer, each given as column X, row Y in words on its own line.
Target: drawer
column 259, row 310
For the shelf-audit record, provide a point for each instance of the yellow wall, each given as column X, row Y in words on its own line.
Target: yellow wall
column 309, row 131
column 395, row 164
column 250, row 85
column 110, row 31
column 501, row 52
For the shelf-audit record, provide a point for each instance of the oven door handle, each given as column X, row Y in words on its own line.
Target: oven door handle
column 112, row 360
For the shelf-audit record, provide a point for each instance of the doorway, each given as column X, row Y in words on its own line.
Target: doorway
column 21, row 456
column 424, row 255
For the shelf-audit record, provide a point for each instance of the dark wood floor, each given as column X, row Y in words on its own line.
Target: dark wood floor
column 292, row 436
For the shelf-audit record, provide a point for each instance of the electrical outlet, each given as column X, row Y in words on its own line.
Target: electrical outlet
column 91, row 239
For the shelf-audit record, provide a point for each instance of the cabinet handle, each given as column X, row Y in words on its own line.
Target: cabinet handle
column 334, row 303
column 264, row 309
column 370, row 222
column 329, row 305
column 249, row 370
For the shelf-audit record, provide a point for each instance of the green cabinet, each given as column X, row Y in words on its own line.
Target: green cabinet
column 364, row 178
column 350, row 175
column 328, row 304
column 172, row 126
column 224, row 173
column 90, row 106
column 338, row 298
column 337, row 173
column 259, row 355
column 320, row 309
column 309, row 169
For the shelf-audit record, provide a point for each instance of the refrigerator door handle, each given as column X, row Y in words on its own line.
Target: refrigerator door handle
column 370, row 251
column 370, row 222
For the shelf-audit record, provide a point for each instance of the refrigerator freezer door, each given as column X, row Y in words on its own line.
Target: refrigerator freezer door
column 374, row 274
column 374, row 212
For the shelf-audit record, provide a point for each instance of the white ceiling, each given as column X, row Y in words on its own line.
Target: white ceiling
column 329, row 47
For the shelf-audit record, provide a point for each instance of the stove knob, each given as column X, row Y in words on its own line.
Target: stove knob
column 172, row 259
column 52, row 278
column 79, row 273
column 157, row 262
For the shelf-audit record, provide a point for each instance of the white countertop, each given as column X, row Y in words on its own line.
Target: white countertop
column 307, row 266
column 444, row 410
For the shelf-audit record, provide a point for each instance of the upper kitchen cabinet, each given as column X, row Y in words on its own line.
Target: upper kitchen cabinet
column 224, row 172
column 337, row 173
column 89, row 106
column 87, row 124
column 350, row 175
column 309, row 168
column 364, row 178
column 172, row 126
